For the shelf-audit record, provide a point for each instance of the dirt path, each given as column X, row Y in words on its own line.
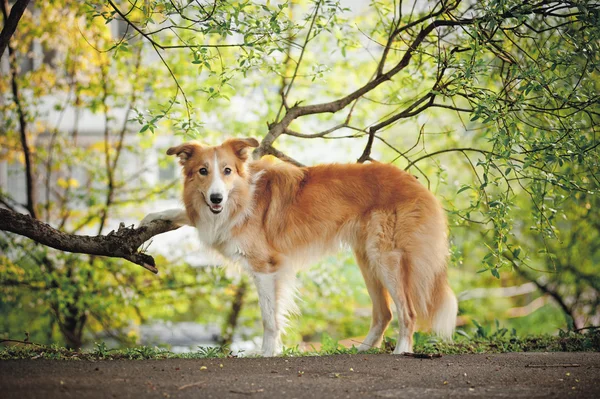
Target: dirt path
column 515, row 375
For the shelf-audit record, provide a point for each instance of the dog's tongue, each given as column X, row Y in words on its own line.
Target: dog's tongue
column 216, row 208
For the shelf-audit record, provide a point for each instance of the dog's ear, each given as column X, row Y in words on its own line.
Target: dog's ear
column 184, row 151
column 241, row 147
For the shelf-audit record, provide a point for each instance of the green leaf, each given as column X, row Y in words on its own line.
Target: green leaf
column 495, row 272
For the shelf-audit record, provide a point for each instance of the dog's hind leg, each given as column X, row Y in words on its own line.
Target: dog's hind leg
column 384, row 240
column 380, row 298
column 392, row 267
column 275, row 297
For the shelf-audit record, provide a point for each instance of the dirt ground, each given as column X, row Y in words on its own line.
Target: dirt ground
column 513, row 375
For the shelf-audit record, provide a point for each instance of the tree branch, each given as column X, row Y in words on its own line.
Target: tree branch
column 291, row 132
column 10, row 21
column 122, row 243
column 276, row 153
column 337, row 105
column 155, row 44
column 286, row 93
column 12, row 60
column 407, row 113
column 548, row 291
column 278, row 128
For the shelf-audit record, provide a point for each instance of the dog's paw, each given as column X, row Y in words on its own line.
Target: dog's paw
column 270, row 353
column 364, row 347
column 402, row 346
column 271, row 350
column 150, row 218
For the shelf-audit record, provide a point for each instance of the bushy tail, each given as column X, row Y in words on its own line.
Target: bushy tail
column 445, row 309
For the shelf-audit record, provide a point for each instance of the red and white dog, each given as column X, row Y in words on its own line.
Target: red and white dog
column 273, row 218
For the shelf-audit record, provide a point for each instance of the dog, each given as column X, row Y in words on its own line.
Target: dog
column 273, row 218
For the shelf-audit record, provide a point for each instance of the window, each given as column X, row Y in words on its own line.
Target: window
column 16, row 184
column 167, row 171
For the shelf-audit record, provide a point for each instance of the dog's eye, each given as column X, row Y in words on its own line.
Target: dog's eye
column 227, row 171
column 203, row 171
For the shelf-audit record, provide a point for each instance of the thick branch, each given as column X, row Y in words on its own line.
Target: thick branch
column 122, row 243
column 10, row 21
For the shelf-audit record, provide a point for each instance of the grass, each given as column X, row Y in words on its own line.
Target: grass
column 483, row 341
column 101, row 352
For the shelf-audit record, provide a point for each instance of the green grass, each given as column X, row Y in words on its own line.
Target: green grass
column 500, row 341
column 101, row 352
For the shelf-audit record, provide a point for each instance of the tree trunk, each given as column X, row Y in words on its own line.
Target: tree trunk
column 233, row 317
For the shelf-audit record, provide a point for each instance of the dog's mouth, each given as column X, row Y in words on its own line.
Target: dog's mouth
column 215, row 208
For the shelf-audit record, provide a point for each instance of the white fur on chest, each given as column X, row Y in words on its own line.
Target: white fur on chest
column 215, row 232
column 213, row 229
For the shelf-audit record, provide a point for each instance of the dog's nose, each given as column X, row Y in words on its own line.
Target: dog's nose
column 216, row 198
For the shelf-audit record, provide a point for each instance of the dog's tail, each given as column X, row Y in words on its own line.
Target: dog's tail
column 443, row 310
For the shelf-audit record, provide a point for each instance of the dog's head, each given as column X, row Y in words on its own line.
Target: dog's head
column 214, row 172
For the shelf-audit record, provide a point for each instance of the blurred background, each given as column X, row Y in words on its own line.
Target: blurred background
column 96, row 91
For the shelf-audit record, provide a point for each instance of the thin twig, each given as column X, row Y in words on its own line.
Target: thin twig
column 422, row 355
column 285, row 95
column 553, row 365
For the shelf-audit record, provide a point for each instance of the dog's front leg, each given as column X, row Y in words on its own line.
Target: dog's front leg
column 176, row 216
column 266, row 285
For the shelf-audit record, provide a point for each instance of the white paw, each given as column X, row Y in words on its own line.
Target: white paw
column 271, row 352
column 271, row 348
column 402, row 346
column 364, row 347
column 151, row 217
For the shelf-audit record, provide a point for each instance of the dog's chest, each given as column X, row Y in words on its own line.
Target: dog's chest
column 218, row 235
column 213, row 231
column 234, row 250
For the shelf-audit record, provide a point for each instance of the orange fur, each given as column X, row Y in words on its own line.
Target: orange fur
column 279, row 215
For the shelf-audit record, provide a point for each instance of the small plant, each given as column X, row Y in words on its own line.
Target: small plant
column 481, row 332
column 330, row 346
column 291, row 352
column 100, row 350
column 143, row 352
column 210, row 352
